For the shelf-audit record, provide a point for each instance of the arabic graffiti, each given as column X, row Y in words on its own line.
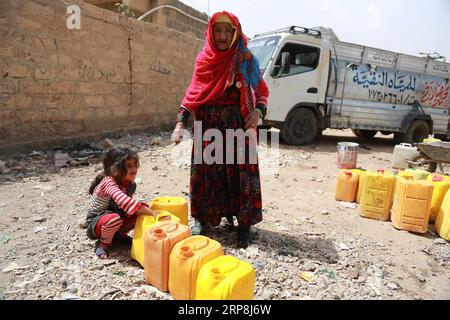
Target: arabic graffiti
column 386, row 97
column 435, row 94
column 390, row 80
column 160, row 69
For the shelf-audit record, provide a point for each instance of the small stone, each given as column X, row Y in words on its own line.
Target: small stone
column 61, row 159
column 267, row 294
column 155, row 168
column 324, row 212
column 108, row 262
column 439, row 241
column 39, row 219
column 392, row 286
column 39, row 229
column 420, row 278
column 353, row 274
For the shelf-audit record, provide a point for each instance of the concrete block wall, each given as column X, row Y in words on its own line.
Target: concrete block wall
column 60, row 86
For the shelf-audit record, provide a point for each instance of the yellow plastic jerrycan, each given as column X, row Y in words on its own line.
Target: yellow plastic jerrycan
column 442, row 224
column 143, row 223
column 226, row 278
column 159, row 242
column 377, row 195
column 175, row 205
column 418, row 174
column 407, row 174
column 347, row 186
column 431, row 140
column 412, row 203
column 186, row 259
column 441, row 185
column 361, row 175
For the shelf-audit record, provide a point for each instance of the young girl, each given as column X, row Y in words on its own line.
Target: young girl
column 113, row 211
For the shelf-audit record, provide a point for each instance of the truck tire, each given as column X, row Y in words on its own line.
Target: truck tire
column 300, row 128
column 417, row 131
column 365, row 134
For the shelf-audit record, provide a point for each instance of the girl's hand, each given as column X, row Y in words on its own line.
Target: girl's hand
column 252, row 120
column 146, row 210
column 177, row 134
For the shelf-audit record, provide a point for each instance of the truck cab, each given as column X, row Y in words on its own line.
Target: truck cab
column 296, row 70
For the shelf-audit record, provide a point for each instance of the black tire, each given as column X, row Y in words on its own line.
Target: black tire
column 417, row 132
column 364, row 134
column 300, row 128
column 386, row 133
column 356, row 133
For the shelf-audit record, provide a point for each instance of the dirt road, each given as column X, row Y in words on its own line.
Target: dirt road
column 44, row 254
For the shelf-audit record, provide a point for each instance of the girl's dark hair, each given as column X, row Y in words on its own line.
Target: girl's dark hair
column 114, row 166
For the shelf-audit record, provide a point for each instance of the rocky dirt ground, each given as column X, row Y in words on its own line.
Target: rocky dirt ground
column 44, row 253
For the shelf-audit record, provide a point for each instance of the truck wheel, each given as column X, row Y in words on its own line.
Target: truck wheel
column 300, row 127
column 356, row 132
column 417, row 132
column 386, row 133
column 365, row 134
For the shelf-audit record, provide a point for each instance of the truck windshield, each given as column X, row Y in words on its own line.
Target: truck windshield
column 263, row 50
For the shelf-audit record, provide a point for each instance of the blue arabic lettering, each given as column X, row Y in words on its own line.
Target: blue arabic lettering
column 396, row 81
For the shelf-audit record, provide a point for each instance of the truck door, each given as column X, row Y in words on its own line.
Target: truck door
column 300, row 85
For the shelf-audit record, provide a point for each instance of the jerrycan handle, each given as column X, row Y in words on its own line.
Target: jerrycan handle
column 165, row 217
column 405, row 144
column 173, row 227
column 201, row 245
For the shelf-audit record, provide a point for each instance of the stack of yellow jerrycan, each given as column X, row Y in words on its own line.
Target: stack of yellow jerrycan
column 442, row 224
column 225, row 278
column 347, row 185
column 376, row 198
column 175, row 205
column 143, row 223
column 159, row 242
column 441, row 185
column 412, row 203
column 186, row 259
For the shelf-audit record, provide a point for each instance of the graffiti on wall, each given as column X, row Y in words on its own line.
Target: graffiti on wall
column 88, row 72
column 435, row 94
column 160, row 69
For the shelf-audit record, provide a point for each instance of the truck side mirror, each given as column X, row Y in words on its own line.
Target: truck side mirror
column 285, row 62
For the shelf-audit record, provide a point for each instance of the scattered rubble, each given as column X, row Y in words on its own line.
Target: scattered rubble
column 303, row 248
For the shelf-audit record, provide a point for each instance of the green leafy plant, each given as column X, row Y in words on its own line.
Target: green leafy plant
column 125, row 10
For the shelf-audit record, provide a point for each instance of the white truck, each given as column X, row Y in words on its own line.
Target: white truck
column 317, row 82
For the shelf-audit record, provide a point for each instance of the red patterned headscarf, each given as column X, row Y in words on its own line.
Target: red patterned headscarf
column 214, row 69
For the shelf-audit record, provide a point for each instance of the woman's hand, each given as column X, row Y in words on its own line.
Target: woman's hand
column 177, row 134
column 252, row 120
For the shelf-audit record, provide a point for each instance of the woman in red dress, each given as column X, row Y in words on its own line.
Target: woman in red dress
column 227, row 92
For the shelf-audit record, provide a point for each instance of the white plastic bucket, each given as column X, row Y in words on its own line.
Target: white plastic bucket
column 347, row 155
